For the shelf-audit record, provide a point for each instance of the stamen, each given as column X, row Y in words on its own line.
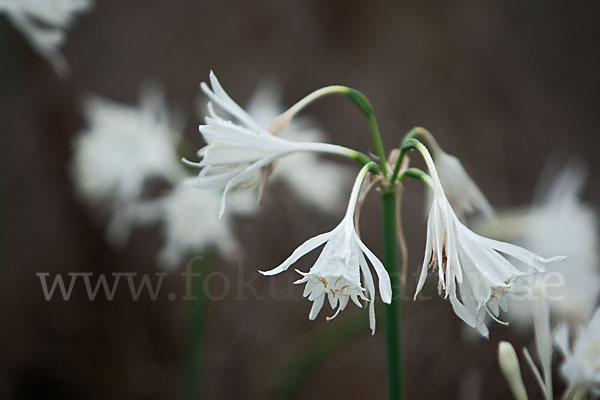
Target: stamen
column 190, row 163
column 336, row 313
column 494, row 317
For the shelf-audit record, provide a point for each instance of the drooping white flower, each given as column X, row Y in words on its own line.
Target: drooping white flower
column 581, row 364
column 44, row 24
column 336, row 275
column 475, row 272
column 190, row 221
column 121, row 147
column 236, row 152
column 557, row 222
column 314, row 181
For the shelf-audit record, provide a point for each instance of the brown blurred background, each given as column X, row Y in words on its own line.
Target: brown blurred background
column 502, row 84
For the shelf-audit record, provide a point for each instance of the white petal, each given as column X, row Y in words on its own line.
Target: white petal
column 426, row 260
column 385, row 285
column 219, row 96
column 246, row 173
column 561, row 339
column 459, row 308
column 316, row 307
column 303, row 249
column 364, row 267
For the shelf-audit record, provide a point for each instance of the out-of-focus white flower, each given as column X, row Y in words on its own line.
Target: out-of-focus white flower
column 475, row 272
column 44, row 24
column 581, row 365
column 190, row 222
column 461, row 191
column 557, row 222
column 314, row 181
column 235, row 153
column 337, row 272
column 121, row 147
column 509, row 364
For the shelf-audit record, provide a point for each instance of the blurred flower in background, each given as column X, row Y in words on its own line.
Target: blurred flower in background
column 44, row 23
column 581, row 364
column 559, row 222
column 124, row 147
column 190, row 221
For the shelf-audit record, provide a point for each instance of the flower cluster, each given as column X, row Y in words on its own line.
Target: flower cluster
column 244, row 149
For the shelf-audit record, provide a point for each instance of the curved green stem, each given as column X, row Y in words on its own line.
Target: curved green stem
column 415, row 173
column 392, row 310
column 408, row 143
column 419, row 131
column 363, row 103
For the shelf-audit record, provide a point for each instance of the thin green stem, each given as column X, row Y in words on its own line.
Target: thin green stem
column 195, row 331
column 363, row 103
column 408, row 143
column 420, row 132
column 415, row 173
column 392, row 310
column 359, row 99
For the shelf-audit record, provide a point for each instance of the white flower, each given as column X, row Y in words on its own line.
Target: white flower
column 558, row 222
column 461, row 191
column 475, row 272
column 581, row 365
column 337, row 272
column 190, row 221
column 122, row 147
column 314, row 181
column 44, row 23
column 235, row 153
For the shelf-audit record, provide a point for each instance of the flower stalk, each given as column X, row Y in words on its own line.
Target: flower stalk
column 392, row 310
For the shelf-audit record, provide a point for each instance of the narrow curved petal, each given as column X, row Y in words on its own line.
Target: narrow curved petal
column 219, row 96
column 364, row 267
column 240, row 177
column 426, row 261
column 303, row 249
column 316, row 307
column 385, row 285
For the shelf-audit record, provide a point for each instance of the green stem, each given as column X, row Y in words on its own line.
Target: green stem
column 364, row 105
column 392, row 310
column 359, row 99
column 195, row 331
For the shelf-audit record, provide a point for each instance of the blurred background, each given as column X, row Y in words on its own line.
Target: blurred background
column 503, row 85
